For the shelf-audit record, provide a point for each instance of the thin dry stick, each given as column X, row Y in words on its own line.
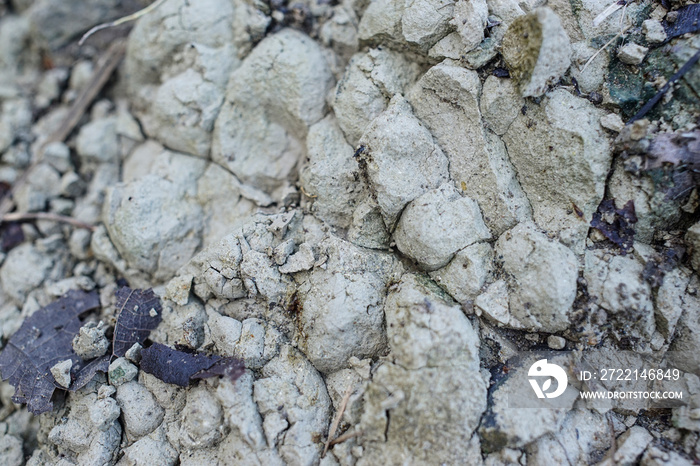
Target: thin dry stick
column 114, row 55
column 20, row 217
column 603, row 48
column 346, row 436
column 117, row 22
column 336, row 421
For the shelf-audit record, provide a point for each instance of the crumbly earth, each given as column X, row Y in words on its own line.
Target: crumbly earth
column 375, row 204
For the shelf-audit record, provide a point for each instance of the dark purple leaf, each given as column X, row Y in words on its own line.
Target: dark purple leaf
column 179, row 367
column 232, row 368
column 45, row 339
column 139, row 312
column 86, row 373
column 674, row 149
column 616, row 224
column 687, row 20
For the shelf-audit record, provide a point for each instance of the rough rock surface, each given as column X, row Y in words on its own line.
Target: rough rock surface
column 259, row 132
column 390, row 211
column 550, row 271
column 396, row 144
column 432, row 345
column 456, row 223
column 562, row 158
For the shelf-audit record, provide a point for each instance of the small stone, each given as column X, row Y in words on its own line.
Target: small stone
column 437, row 224
column 103, row 413
column 57, row 154
column 72, row 185
column 225, row 332
column 654, row 31
column 61, row 372
column 79, row 243
column 283, row 251
column 133, row 354
column 91, row 342
column 537, row 51
column 556, row 342
column 106, row 391
column 612, row 121
column 303, row 259
column 178, row 289
column 121, row 371
column 632, row 54
column 141, row 413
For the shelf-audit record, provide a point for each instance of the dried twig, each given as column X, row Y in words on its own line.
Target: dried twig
column 336, row 421
column 654, row 100
column 603, row 48
column 125, row 19
column 20, row 217
column 347, row 436
column 112, row 58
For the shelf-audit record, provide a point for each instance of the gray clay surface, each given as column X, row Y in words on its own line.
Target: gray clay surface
column 374, row 204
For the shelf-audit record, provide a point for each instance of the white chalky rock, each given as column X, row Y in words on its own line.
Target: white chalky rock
column 23, row 270
column 592, row 78
column 437, row 224
column 98, row 141
column 262, row 124
column 500, row 103
column 504, row 425
column 227, row 203
column 466, row 274
column 630, row 446
column 428, row 397
column 616, row 284
column 581, row 438
column 61, row 373
column 90, row 342
column 654, row 31
column 493, row 303
column 201, row 419
column 141, row 413
column 632, row 54
column 301, row 260
column 400, row 159
column 290, row 384
column 671, row 299
column 447, row 97
column 153, row 221
column 687, row 339
column 537, row 51
column 178, row 63
column 562, row 157
column 470, row 18
column 331, row 179
column 344, row 302
column 152, row 449
column 225, row 332
column 371, row 79
column 692, row 238
column 542, row 278
column 251, row 344
column 417, row 24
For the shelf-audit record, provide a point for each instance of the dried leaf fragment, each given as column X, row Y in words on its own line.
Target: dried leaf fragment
column 179, row 367
column 45, row 339
column 139, row 314
column 616, row 224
